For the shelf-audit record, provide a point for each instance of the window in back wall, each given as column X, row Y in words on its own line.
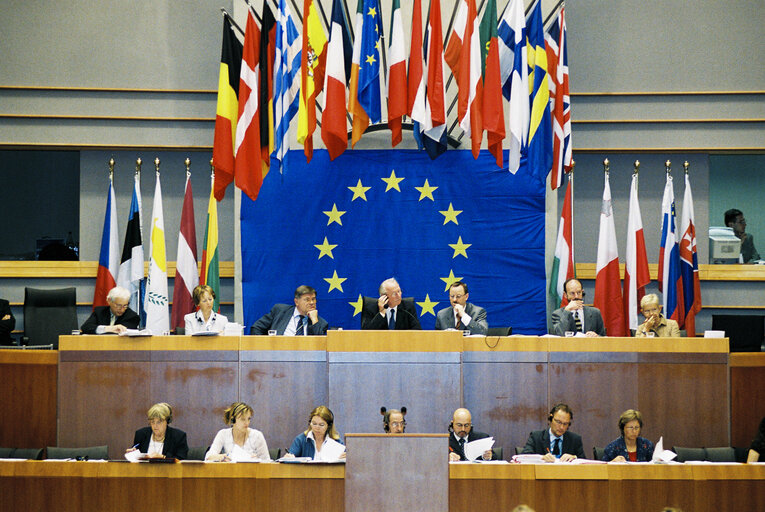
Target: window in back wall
column 39, row 194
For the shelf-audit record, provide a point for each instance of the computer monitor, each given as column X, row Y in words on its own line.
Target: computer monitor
column 724, row 246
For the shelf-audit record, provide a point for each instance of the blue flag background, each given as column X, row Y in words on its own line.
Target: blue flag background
column 393, row 229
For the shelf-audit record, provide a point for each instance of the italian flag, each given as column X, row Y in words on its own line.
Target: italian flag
column 397, row 86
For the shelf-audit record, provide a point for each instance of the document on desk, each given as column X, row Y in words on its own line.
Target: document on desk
column 331, row 451
column 136, row 332
column 660, row 454
column 135, row 456
column 474, row 449
column 206, row 333
column 238, row 454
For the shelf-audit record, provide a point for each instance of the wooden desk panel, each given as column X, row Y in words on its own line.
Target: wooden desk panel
column 747, row 396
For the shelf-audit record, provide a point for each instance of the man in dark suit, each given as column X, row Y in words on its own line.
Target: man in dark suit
column 576, row 317
column 298, row 320
column 556, row 442
column 462, row 315
column 392, row 312
column 461, row 432
column 7, row 322
column 115, row 318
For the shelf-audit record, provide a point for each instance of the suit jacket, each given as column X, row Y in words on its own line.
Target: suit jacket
column 102, row 316
column 6, row 326
column 539, row 443
column 279, row 318
column 175, row 445
column 477, row 325
column 748, row 252
column 454, row 445
column 667, row 328
column 406, row 316
column 619, row 447
column 563, row 321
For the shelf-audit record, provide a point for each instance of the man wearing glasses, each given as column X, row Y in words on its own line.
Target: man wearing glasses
column 556, row 442
column 115, row 318
column 734, row 218
column 462, row 315
column 576, row 317
column 461, row 432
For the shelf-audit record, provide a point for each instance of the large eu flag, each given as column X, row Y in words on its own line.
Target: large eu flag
column 344, row 227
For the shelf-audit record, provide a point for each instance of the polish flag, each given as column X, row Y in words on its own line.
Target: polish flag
column 636, row 275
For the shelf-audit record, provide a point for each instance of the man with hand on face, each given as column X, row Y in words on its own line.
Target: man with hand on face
column 393, row 313
column 556, row 442
column 462, row 315
column 655, row 324
column 576, row 317
column 298, row 320
column 462, row 432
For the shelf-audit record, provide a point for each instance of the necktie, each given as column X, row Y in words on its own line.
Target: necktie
column 112, row 319
column 577, row 321
column 458, row 324
column 392, row 320
column 299, row 329
column 556, row 448
column 462, row 447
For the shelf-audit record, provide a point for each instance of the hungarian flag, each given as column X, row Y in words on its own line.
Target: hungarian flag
column 560, row 103
column 493, row 114
column 186, row 276
column 247, row 167
column 156, row 300
column 670, row 280
column 312, row 65
column 608, row 291
column 131, row 276
column 109, row 257
column 397, row 87
column 563, row 267
column 226, row 112
column 210, row 273
column 689, row 264
column 266, row 87
column 334, row 128
column 636, row 275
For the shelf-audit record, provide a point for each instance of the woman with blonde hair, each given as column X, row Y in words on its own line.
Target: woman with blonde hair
column 158, row 440
column 321, row 429
column 238, row 435
column 204, row 319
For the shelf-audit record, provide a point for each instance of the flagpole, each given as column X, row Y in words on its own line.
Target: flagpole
column 111, row 170
column 348, row 19
column 231, row 19
column 571, row 183
column 383, row 53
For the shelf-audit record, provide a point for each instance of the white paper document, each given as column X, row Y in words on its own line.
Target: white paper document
column 474, row 449
column 206, row 333
column 136, row 332
column 330, row 451
column 238, row 454
column 660, row 454
column 135, row 456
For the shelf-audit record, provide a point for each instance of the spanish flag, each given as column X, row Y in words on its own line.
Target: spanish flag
column 312, row 67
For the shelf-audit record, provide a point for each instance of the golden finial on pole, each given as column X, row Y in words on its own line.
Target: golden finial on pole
column 212, row 169
column 111, row 168
column 606, row 166
column 156, row 165
column 637, row 166
column 138, row 163
column 573, row 164
column 668, row 167
column 187, row 163
column 685, row 166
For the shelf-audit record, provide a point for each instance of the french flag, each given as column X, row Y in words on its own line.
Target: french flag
column 334, row 128
column 670, row 280
column 109, row 259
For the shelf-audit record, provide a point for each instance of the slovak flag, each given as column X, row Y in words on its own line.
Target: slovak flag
column 670, row 282
column 689, row 265
column 109, row 258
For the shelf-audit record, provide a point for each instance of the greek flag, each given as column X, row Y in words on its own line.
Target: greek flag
column 286, row 81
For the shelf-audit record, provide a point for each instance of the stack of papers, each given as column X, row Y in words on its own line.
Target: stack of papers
column 136, row 332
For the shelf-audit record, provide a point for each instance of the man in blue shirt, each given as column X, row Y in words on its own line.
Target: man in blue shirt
column 556, row 442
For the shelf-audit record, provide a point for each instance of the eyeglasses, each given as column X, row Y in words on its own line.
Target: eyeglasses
column 397, row 423
column 637, row 427
column 463, row 425
column 561, row 423
column 120, row 306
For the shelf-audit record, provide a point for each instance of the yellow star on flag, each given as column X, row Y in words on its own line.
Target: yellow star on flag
column 334, row 215
column 450, row 215
column 460, row 248
column 392, row 181
column 426, row 191
column 359, row 191
column 325, row 249
column 450, row 279
column 372, row 11
column 335, row 283
column 357, row 305
column 427, row 306
column 370, row 59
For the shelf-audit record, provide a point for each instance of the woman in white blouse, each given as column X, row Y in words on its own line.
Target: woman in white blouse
column 205, row 319
column 240, row 435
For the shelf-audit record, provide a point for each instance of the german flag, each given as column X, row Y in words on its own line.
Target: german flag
column 267, row 56
column 227, row 110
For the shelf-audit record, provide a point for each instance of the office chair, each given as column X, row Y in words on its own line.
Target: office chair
column 745, row 332
column 88, row 452
column 48, row 314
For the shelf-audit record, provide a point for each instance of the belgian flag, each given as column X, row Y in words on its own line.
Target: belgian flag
column 227, row 110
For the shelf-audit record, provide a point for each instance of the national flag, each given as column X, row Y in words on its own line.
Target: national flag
column 132, row 272
column 493, row 114
column 365, row 101
column 186, row 273
column 108, row 259
column 210, row 274
column 560, row 102
column 247, row 166
column 563, row 267
column 156, row 302
column 266, row 86
column 670, row 280
column 540, row 126
column 397, row 87
column 608, row 291
column 513, row 63
column 334, row 128
column 415, row 71
column 226, row 111
column 463, row 56
column 286, row 82
column 636, row 275
column 312, row 65
column 689, row 264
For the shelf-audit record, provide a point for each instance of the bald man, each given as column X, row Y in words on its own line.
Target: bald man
column 461, row 429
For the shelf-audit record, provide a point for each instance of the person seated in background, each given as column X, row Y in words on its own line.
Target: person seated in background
column 298, row 320
column 393, row 420
column 462, row 315
column 758, row 444
column 205, row 319
column 321, row 428
column 655, row 324
column 115, row 318
column 158, row 440
column 735, row 219
column 461, row 430
column 239, row 434
column 7, row 322
column 630, row 447
column 556, row 442
column 392, row 312
column 575, row 316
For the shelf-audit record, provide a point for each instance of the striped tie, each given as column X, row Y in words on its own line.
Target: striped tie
column 577, row 321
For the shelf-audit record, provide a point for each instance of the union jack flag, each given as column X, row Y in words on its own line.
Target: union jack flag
column 560, row 104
